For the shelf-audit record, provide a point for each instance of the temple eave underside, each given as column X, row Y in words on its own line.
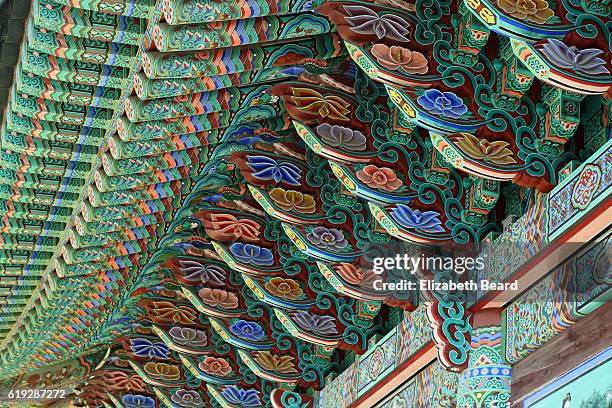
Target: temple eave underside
column 198, row 198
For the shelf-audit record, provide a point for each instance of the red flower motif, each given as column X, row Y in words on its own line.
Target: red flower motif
column 218, row 297
column 356, row 276
column 226, row 227
column 413, row 62
column 379, row 177
column 118, row 380
column 215, row 366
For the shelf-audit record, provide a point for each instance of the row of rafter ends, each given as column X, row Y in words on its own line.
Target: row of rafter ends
column 179, row 12
column 179, row 65
column 124, row 261
column 35, row 199
column 85, row 229
column 23, row 104
column 52, row 302
column 166, row 74
column 57, row 27
column 75, row 325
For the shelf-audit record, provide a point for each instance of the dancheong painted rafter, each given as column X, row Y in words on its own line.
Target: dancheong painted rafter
column 194, row 195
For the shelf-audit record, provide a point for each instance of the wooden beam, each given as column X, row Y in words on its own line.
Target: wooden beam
column 399, row 376
column 585, row 230
column 584, row 339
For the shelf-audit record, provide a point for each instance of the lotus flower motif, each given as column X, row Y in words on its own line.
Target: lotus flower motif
column 379, row 177
column 291, row 200
column 252, row 254
column 494, row 152
column 327, row 238
column 266, row 168
column 123, row 381
column 413, row 62
column 162, row 371
column 342, row 137
column 194, row 271
column 284, row 288
column 247, row 330
column 226, row 227
column 364, row 20
column 219, row 298
column 586, row 61
column 536, row 11
column 271, row 362
column 356, row 276
column 137, row 401
column 241, row 397
column 415, row 219
column 215, row 366
column 187, row 398
column 315, row 104
column 315, row 323
column 186, row 336
column 146, row 348
column 442, row 103
column 168, row 311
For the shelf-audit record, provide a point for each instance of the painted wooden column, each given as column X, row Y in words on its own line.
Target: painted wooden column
column 486, row 381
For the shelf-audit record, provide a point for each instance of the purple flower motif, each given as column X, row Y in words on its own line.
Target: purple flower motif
column 247, row 330
column 315, row 323
column 327, row 238
column 586, row 61
column 241, row 397
column 342, row 137
column 187, row 398
column 137, row 401
column 364, row 20
column 427, row 221
column 146, row 348
column 186, row 336
column 194, row 271
column 252, row 254
column 442, row 103
column 266, row 168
